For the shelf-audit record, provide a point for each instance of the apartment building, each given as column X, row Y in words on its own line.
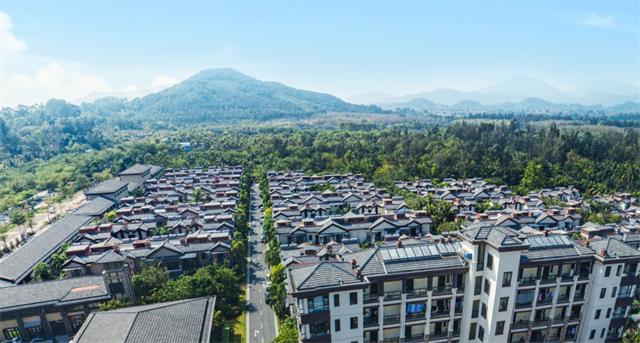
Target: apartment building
column 483, row 284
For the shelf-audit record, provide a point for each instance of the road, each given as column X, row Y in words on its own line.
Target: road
column 261, row 320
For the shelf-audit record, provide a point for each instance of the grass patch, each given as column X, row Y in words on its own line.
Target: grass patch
column 235, row 329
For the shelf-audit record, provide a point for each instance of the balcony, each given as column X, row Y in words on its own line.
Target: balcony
column 545, row 301
column 371, row 321
column 540, row 322
column 417, row 293
column 391, row 319
column 528, row 281
column 567, row 277
column 520, row 324
column 564, row 299
column 524, row 304
column 392, row 340
column 574, row 317
column 390, row 296
column 549, row 279
column 440, row 313
column 583, row 276
column 442, row 290
column 438, row 335
column 371, row 298
column 578, row 297
column 558, row 319
column 415, row 316
column 416, row 338
column 314, row 309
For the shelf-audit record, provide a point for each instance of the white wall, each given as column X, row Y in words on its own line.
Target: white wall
column 344, row 312
column 594, row 303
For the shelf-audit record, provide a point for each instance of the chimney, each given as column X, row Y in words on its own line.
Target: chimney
column 398, row 243
column 354, row 264
column 602, row 252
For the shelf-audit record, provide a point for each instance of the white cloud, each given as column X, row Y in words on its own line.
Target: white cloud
column 51, row 81
column 9, row 43
column 130, row 88
column 163, row 81
column 602, row 21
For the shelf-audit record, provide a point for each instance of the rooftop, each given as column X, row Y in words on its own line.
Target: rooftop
column 185, row 321
column 106, row 187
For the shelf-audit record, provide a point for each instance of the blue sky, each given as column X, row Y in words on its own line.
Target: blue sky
column 70, row 48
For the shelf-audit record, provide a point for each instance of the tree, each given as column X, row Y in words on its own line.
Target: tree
column 277, row 290
column 198, row 195
column 533, row 178
column 42, row 272
column 288, row 331
column 17, row 217
column 149, row 280
column 272, row 255
column 111, row 216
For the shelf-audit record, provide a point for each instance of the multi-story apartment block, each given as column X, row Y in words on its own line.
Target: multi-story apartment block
column 483, row 284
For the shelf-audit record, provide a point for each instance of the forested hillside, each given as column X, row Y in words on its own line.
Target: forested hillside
column 528, row 157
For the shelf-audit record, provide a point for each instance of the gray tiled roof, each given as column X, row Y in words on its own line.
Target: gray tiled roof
column 323, row 274
column 19, row 264
column 494, row 235
column 106, row 187
column 96, row 207
column 136, row 169
column 58, row 292
column 614, row 248
column 185, row 321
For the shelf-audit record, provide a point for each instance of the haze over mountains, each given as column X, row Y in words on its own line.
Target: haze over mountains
column 515, row 93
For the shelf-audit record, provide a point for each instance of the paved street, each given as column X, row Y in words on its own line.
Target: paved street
column 261, row 326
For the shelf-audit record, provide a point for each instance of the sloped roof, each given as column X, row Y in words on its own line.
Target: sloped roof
column 187, row 321
column 323, row 274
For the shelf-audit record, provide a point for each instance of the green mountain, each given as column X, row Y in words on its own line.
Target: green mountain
column 222, row 95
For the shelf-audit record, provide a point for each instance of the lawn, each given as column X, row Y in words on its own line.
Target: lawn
column 235, row 329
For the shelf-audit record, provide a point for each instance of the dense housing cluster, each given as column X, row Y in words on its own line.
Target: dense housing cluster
column 180, row 219
column 526, row 268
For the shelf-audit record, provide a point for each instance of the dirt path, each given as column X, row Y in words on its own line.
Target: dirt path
column 40, row 220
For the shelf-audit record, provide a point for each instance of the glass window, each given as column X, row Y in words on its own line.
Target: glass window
column 506, row 279
column 336, row 300
column 603, row 292
column 500, row 327
column 353, row 298
column 481, row 333
column 472, row 331
column 607, row 271
column 489, row 261
column 614, row 291
column 487, row 286
column 592, row 334
column 504, row 303
column 354, row 323
column 597, row 314
column 483, row 311
column 336, row 325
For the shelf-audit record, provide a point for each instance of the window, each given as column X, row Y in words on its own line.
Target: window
column 500, row 327
column 592, row 334
column 483, row 311
column 478, row 285
column 602, row 332
column 597, row 314
column 504, row 303
column 608, row 313
column 336, row 300
column 614, row 291
column 607, row 271
column 353, row 298
column 481, row 333
column 603, row 292
column 489, row 261
column 487, row 286
column 354, row 323
column 336, row 325
column 475, row 309
column 472, row 331
column 619, row 270
column 506, row 279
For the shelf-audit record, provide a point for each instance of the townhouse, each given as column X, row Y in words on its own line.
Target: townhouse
column 480, row 284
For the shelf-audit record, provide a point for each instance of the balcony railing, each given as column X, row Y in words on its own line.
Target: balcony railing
column 388, row 296
column 549, row 279
column 564, row 298
column 528, row 281
column 319, row 334
column 578, row 297
column 415, row 316
column 442, row 290
column 558, row 319
column 371, row 298
column 574, row 317
column 392, row 340
column 415, row 338
column 440, row 313
column 313, row 309
column 567, row 277
column 545, row 301
column 438, row 335
column 540, row 321
column 417, row 293
column 519, row 324
column 392, row 319
column 371, row 321
column 523, row 305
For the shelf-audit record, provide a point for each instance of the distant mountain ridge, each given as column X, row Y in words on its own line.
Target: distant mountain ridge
column 504, row 95
column 219, row 95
